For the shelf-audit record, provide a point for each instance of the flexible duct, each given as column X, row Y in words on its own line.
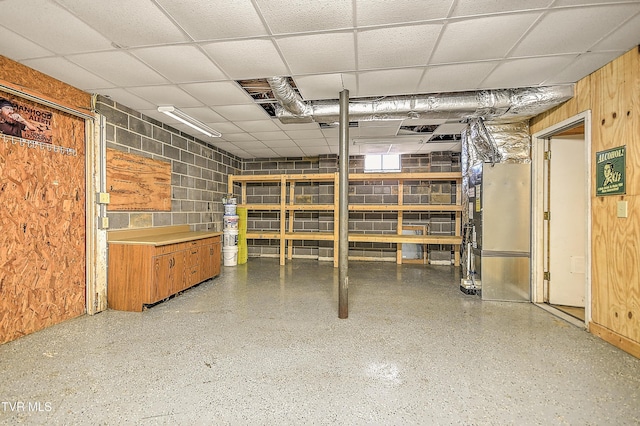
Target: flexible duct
column 509, row 104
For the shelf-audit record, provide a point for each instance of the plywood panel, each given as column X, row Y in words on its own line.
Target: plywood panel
column 25, row 79
column 42, row 243
column 616, row 253
column 137, row 183
column 612, row 93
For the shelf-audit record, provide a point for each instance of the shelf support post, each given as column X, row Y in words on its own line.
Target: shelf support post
column 343, row 263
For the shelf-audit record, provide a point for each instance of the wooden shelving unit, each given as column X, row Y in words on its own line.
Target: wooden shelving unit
column 287, row 207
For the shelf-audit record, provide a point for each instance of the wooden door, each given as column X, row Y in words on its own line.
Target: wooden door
column 566, row 234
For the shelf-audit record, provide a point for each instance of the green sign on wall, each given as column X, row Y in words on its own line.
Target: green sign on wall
column 610, row 171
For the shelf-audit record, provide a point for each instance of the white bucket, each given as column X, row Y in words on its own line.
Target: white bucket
column 230, row 222
column 230, row 209
column 230, row 255
column 230, row 237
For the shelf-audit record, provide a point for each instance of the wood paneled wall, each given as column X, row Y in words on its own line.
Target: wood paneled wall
column 42, row 224
column 612, row 93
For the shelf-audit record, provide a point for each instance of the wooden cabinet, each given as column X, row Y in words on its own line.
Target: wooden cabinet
column 287, row 207
column 147, row 266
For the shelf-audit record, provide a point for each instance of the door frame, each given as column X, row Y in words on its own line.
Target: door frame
column 537, row 211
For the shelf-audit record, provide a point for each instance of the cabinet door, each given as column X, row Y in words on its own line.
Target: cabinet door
column 210, row 263
column 168, row 279
column 216, row 256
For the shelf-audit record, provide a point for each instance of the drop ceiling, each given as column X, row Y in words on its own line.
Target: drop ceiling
column 192, row 54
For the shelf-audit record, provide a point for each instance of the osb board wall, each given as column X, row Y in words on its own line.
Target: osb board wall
column 25, row 79
column 137, row 183
column 42, row 238
column 612, row 94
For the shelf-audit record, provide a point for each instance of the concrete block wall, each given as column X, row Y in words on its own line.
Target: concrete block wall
column 372, row 192
column 198, row 171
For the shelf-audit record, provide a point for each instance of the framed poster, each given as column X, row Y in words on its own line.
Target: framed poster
column 610, row 171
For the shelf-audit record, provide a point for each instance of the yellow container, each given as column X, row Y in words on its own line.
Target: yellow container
column 243, row 252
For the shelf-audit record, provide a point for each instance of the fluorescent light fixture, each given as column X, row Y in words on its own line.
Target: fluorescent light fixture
column 198, row 125
column 390, row 140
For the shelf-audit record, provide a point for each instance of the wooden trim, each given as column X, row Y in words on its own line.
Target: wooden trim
column 615, row 339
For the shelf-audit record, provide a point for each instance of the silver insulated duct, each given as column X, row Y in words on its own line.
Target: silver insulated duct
column 499, row 104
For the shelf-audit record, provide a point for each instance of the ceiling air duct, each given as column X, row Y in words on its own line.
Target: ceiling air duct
column 490, row 105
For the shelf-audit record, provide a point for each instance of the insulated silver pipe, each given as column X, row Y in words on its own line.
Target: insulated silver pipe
column 343, row 209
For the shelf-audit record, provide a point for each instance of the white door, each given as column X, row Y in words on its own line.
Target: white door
column 567, row 205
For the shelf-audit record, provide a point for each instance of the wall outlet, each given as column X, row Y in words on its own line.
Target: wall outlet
column 103, row 198
column 103, row 223
column 622, row 209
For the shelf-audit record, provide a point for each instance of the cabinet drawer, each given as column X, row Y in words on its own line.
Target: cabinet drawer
column 170, row 248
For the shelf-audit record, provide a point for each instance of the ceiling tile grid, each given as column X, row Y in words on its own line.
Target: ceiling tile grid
column 191, row 54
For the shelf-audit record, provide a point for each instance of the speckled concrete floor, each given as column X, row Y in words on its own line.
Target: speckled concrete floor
column 263, row 345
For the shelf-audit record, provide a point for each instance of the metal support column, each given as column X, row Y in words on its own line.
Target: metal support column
column 343, row 211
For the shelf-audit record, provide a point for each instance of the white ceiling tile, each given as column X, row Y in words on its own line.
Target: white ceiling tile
column 261, row 152
column 128, row 23
column 214, row 20
column 423, row 122
column 68, row 72
column 582, row 66
column 623, row 38
column 166, row 95
column 241, row 112
column 440, row 146
column 559, row 3
column 325, row 86
column 19, row 48
column 270, row 135
column 390, row 124
column 450, row 129
column 319, row 53
column 249, row 144
column 485, row 7
column 251, row 58
column 581, row 28
column 32, row 20
column 225, row 127
column 218, row 93
column 304, row 134
column 293, row 16
column 457, row 77
column 401, row 46
column 266, row 125
column 118, row 67
column 130, row 100
column 525, row 72
column 332, row 133
column 296, row 126
column 279, row 143
column 292, row 151
column 379, row 12
column 316, row 150
column 239, row 137
column 475, row 39
column 180, row 64
column 388, row 82
column 310, row 142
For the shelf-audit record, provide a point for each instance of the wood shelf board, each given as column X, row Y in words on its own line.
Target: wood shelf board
column 267, row 235
column 329, row 177
column 261, row 207
column 309, row 236
column 406, row 207
column 413, row 239
column 308, row 207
